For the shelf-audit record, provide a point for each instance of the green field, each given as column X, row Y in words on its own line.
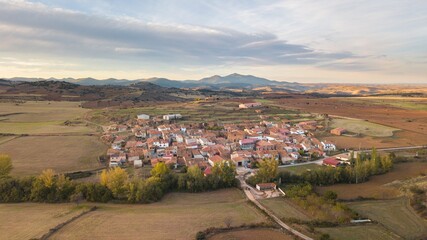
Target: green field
column 177, row 216
column 42, row 118
column 32, row 220
column 363, row 127
column 284, row 208
column 300, row 168
column 410, row 103
column 31, row 155
column 365, row 232
column 396, row 215
column 225, row 112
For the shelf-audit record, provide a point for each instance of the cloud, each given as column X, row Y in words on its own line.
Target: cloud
column 37, row 28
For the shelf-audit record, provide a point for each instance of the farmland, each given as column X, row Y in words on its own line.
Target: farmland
column 363, row 127
column 374, row 188
column 219, row 111
column 284, row 208
column 300, row 168
column 252, row 234
column 30, row 155
column 32, row 220
column 42, row 118
column 366, row 232
column 396, row 215
column 182, row 214
column 412, row 122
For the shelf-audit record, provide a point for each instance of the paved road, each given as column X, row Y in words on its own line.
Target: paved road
column 248, row 191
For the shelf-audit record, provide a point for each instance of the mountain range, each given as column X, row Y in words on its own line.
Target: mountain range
column 216, row 82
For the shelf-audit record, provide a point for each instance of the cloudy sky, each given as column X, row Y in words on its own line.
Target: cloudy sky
column 347, row 41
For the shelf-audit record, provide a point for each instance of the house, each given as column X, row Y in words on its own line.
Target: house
column 331, row 162
column 215, row 159
column 133, row 157
column 137, row 163
column 143, row 117
column 247, row 144
column 122, row 128
column 265, row 186
column 250, row 105
column 264, row 145
column 338, row 131
column 328, row 146
column 172, row 116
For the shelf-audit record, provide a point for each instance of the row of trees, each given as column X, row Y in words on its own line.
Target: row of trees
column 114, row 184
column 359, row 170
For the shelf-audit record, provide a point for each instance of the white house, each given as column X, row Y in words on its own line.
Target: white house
column 172, row 116
column 137, row 163
column 328, row 146
column 143, row 117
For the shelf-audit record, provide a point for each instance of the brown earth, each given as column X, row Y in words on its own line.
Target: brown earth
column 252, row 234
column 374, row 188
column 412, row 122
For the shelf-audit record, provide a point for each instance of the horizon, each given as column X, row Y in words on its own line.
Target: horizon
column 341, row 42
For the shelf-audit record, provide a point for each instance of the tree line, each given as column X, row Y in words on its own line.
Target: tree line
column 359, row 170
column 114, row 184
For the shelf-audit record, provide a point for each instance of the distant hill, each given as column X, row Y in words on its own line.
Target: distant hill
column 216, row 82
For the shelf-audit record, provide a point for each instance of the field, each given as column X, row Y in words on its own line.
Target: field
column 410, row 103
column 32, row 220
column 396, row 215
column 374, row 188
column 284, row 208
column 177, row 216
column 42, row 118
column 365, row 232
column 363, row 127
column 300, row 168
column 30, row 155
column 223, row 111
column 252, row 234
column 412, row 122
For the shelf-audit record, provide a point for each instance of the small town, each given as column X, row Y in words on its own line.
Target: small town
column 153, row 139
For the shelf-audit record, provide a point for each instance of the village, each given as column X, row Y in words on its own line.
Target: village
column 152, row 139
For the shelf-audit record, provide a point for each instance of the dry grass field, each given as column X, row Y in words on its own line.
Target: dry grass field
column 31, row 155
column 42, row 118
column 363, row 127
column 374, row 188
column 177, row 216
column 365, row 232
column 396, row 215
column 412, row 122
column 252, row 234
column 284, row 208
column 32, row 220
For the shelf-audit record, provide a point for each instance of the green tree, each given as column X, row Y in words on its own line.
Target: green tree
column 115, row 179
column 5, row 165
column 267, row 170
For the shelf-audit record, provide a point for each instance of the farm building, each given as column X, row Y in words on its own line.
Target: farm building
column 338, row 131
column 331, row 162
column 172, row 116
column 265, row 186
column 250, row 105
column 143, row 117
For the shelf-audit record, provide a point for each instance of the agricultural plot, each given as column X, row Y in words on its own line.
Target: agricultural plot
column 31, row 155
column 395, row 215
column 363, row 127
column 42, row 118
column 376, row 186
column 32, row 220
column 300, row 168
column 252, row 234
column 365, row 232
column 284, row 208
column 177, row 216
column 225, row 112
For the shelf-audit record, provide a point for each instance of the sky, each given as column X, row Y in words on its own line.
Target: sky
column 337, row 41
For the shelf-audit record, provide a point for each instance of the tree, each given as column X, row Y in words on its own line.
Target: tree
column 5, row 165
column 160, row 170
column 267, row 170
column 228, row 221
column 47, row 178
column 195, row 179
column 330, row 196
column 115, row 179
